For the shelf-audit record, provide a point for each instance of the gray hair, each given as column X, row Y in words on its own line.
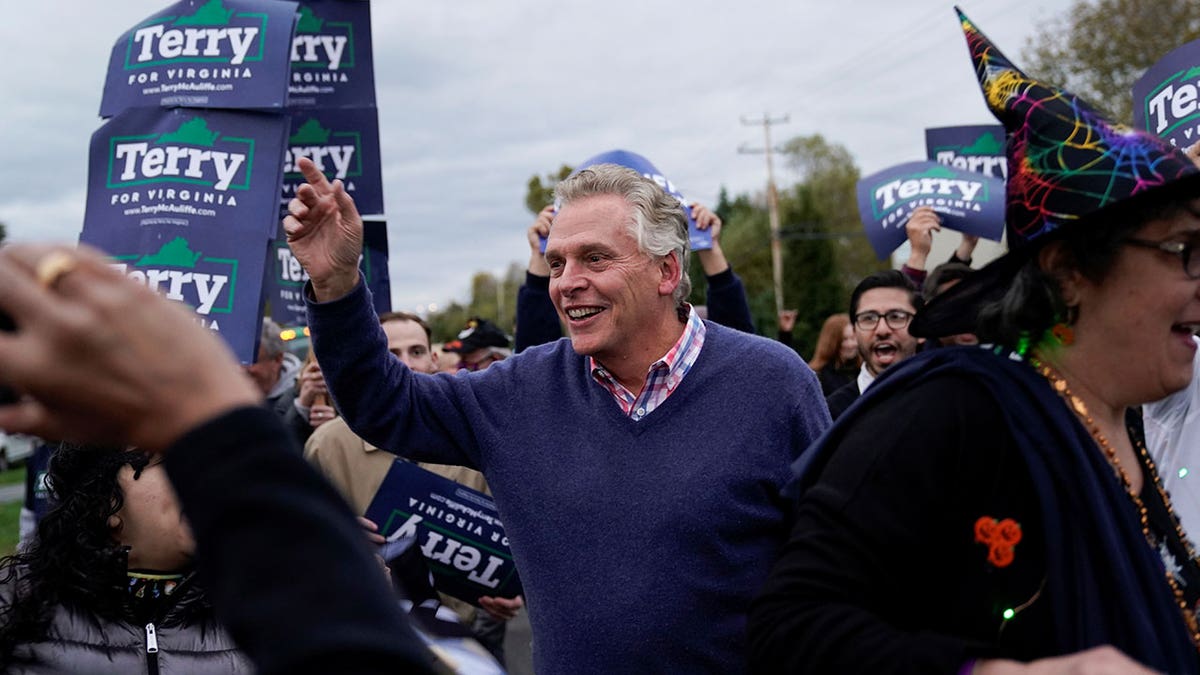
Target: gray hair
column 270, row 340
column 659, row 225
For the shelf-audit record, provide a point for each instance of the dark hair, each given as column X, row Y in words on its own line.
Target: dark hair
column 405, row 316
column 1033, row 301
column 74, row 560
column 885, row 279
column 944, row 274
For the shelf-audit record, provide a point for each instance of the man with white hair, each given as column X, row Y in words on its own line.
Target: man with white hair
column 637, row 467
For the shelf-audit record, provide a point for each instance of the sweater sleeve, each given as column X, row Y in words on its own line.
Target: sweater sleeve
column 915, row 275
column 537, row 320
column 727, row 304
column 287, row 568
column 423, row 417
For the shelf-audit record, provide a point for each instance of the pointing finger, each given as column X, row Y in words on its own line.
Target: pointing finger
column 313, row 175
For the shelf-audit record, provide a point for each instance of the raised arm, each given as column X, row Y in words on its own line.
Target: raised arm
column 537, row 320
column 325, row 233
column 726, row 296
column 102, row 360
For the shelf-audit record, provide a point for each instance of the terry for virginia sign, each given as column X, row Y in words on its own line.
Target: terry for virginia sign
column 967, row 201
column 213, row 54
column 186, row 202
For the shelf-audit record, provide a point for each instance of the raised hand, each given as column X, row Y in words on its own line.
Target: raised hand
column 325, row 233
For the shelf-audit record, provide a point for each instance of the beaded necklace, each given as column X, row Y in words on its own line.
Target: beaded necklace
column 1081, row 411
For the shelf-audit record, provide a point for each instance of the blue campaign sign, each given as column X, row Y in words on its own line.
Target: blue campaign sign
column 186, row 202
column 343, row 143
column 284, row 283
column 204, row 53
column 978, row 148
column 283, row 286
column 698, row 240
column 374, row 264
column 457, row 529
column 332, row 63
column 966, row 201
column 1166, row 100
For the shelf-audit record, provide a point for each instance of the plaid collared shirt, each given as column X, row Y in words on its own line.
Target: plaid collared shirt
column 663, row 376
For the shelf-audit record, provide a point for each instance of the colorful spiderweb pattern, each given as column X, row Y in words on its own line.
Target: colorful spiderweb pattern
column 1065, row 160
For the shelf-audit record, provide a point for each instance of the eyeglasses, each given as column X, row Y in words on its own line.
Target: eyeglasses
column 896, row 319
column 1183, row 249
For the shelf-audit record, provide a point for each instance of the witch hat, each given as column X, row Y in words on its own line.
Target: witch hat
column 1066, row 164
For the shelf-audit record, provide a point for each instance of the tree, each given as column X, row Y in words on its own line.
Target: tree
column 491, row 298
column 831, row 176
column 539, row 194
column 3, row 233
column 824, row 250
column 1098, row 48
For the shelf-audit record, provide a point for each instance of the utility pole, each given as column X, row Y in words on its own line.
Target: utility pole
column 772, row 200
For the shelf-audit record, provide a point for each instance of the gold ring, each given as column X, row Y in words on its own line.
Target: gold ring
column 53, row 267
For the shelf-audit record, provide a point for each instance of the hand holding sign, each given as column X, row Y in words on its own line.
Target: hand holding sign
column 712, row 259
column 920, row 227
column 536, row 235
column 968, row 202
column 501, row 609
column 325, row 233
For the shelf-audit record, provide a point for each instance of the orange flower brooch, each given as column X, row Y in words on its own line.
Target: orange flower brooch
column 1000, row 536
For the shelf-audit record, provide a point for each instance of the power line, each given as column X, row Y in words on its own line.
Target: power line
column 772, row 199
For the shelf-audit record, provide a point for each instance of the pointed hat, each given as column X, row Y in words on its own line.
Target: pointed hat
column 1066, row 163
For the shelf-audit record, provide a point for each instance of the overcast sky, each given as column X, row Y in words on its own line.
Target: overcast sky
column 476, row 97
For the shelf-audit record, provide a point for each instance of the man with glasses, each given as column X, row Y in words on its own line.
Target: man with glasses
column 881, row 307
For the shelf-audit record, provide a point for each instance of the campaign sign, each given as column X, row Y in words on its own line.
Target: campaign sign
column 698, row 240
column 457, row 529
column 1166, row 100
column 204, row 53
column 978, row 148
column 283, row 285
column 966, row 201
column 331, row 55
column 374, row 264
column 183, row 199
column 37, row 492
column 343, row 143
column 285, row 277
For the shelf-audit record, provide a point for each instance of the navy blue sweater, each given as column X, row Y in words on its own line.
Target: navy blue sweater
column 640, row 544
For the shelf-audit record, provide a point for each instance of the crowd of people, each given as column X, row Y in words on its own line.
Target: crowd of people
column 969, row 475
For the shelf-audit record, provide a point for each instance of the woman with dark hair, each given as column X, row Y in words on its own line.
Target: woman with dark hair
column 993, row 509
column 835, row 360
column 106, row 586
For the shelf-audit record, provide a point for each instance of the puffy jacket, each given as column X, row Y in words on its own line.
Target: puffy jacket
column 184, row 641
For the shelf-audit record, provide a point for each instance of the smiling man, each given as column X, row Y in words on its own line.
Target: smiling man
column 636, row 466
column 881, row 307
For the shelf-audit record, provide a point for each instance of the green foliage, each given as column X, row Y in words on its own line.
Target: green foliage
column 3, row 233
column 830, row 174
column 14, row 476
column 1098, row 48
column 10, row 527
column 538, row 194
column 824, row 250
column 491, row 298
